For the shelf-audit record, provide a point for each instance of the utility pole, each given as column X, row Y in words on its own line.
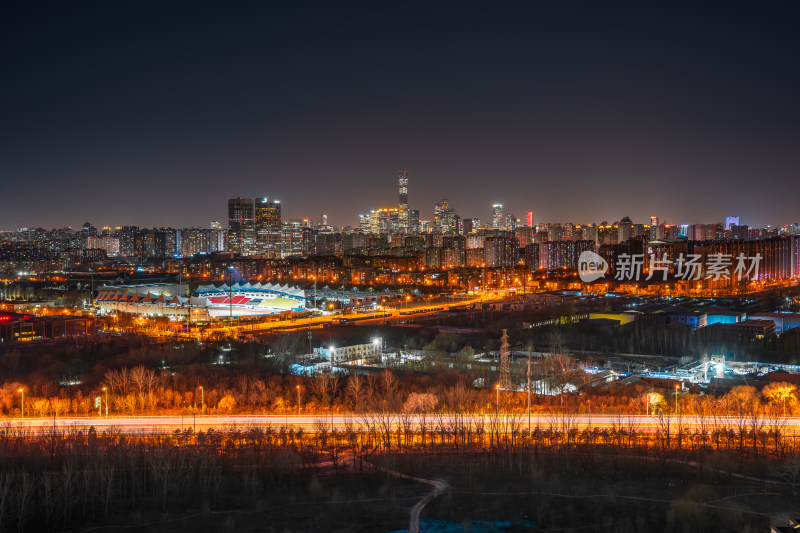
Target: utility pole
column 505, row 371
column 676, row 399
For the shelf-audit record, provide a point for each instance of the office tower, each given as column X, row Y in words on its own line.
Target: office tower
column 497, row 216
column 511, row 222
column 268, row 227
column 291, row 238
column 440, row 206
column 444, row 218
column 740, row 232
column 653, row 220
column 402, row 207
column 379, row 221
column 731, row 221
column 413, row 221
column 469, row 225
column 364, row 223
column 394, row 222
column 241, row 226
column 529, row 218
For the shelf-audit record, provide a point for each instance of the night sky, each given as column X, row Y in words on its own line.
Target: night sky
column 155, row 113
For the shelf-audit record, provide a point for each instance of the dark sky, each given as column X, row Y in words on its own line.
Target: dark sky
column 155, row 113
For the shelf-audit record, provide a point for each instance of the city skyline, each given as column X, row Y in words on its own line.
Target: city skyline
column 487, row 217
column 148, row 114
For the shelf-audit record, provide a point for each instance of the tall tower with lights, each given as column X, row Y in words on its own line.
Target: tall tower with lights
column 402, row 208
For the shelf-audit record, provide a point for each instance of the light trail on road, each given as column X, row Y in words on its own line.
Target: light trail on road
column 315, row 423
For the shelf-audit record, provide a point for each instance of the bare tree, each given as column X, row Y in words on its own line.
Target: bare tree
column 355, row 388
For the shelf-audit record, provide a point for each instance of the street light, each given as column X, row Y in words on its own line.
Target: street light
column 298, row 399
column 377, row 342
column 497, row 390
column 22, row 405
column 676, row 398
column 106, row 391
column 202, row 400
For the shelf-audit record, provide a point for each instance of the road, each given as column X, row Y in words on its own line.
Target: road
column 312, row 423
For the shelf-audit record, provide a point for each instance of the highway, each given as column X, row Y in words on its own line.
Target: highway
column 313, row 423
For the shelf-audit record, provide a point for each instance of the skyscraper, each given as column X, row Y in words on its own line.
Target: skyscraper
column 731, row 221
column 241, row 226
column 402, row 208
column 497, row 216
column 444, row 218
column 268, row 227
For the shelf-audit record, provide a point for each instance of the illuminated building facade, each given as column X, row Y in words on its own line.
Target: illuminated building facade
column 268, row 227
column 497, row 216
column 404, row 221
column 500, row 251
column 241, row 226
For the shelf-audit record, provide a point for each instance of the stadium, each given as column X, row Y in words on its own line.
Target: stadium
column 209, row 300
column 246, row 299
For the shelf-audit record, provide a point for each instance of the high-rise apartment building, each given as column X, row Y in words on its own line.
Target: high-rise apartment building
column 127, row 238
column 106, row 242
column 500, row 251
column 196, row 240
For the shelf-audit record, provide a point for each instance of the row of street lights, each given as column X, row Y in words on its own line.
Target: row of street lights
column 105, row 391
column 377, row 341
